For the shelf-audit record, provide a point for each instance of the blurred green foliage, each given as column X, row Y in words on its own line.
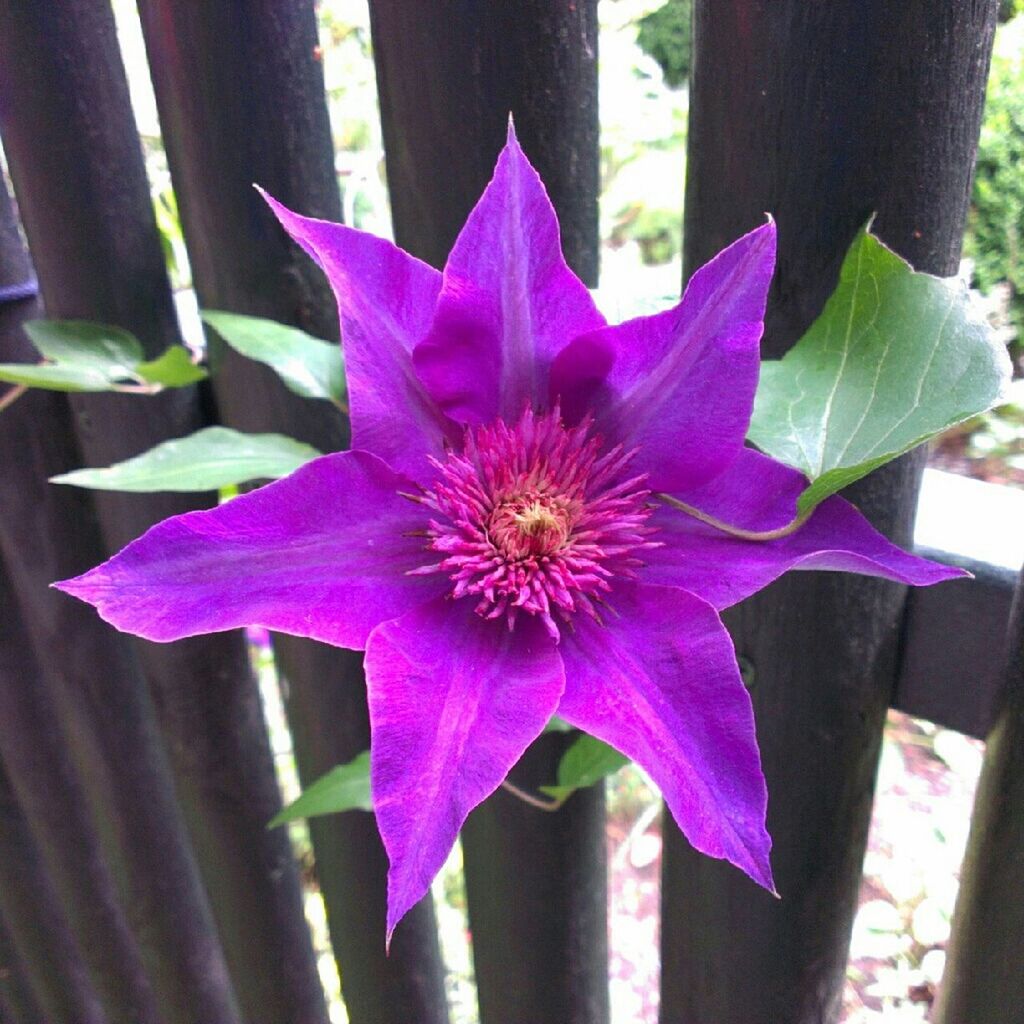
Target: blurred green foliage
column 667, row 35
column 996, row 223
column 1010, row 9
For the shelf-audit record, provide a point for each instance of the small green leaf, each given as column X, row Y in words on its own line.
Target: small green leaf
column 558, row 725
column 895, row 358
column 344, row 788
column 173, row 369
column 587, row 761
column 107, row 349
column 308, row 366
column 54, row 377
column 207, row 460
column 83, row 356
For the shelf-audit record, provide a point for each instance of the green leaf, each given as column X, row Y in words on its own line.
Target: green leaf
column 106, row 349
column 55, row 377
column 308, row 366
column 207, row 460
column 344, row 788
column 83, row 356
column 587, row 761
column 557, row 724
column 174, row 369
column 895, row 358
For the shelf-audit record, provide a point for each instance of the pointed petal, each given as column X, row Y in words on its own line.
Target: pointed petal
column 386, row 301
column 508, row 304
column 660, row 683
column 454, row 701
column 679, row 385
column 322, row 553
column 758, row 493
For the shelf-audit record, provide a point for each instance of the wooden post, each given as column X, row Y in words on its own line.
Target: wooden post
column 821, row 114
column 18, row 1003
column 75, row 158
column 33, row 742
column 536, row 882
column 983, row 982
column 42, row 777
column 30, row 907
column 241, row 100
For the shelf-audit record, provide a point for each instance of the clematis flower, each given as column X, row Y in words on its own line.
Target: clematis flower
column 494, row 540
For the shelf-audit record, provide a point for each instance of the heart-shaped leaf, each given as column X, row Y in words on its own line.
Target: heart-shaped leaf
column 207, row 460
column 344, row 788
column 895, row 358
column 588, row 760
column 308, row 366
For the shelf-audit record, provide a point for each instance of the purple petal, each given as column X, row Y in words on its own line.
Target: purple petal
column 323, row 553
column 660, row 683
column 679, row 385
column 386, row 301
column 757, row 493
column 508, row 303
column 454, row 701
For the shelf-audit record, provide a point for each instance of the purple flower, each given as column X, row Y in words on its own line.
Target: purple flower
column 494, row 541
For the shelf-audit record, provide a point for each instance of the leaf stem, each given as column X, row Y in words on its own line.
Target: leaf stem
column 12, row 396
column 342, row 406
column 137, row 389
column 736, row 531
column 529, row 798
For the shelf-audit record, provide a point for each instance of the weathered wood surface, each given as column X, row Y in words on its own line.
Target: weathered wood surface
column 241, row 101
column 34, row 744
column 983, row 982
column 820, row 114
column 39, row 936
column 535, row 882
column 77, row 167
column 951, row 659
column 18, row 1003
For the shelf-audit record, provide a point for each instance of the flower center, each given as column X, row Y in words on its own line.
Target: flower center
column 537, row 518
column 529, row 525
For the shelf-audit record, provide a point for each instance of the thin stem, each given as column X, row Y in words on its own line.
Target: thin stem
column 529, row 798
column 137, row 389
column 340, row 405
column 736, row 531
column 12, row 396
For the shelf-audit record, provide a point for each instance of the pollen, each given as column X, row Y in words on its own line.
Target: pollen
column 537, row 518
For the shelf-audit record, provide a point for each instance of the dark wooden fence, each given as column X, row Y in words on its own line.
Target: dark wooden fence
column 138, row 883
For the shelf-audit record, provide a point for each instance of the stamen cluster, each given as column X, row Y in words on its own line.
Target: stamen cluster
column 534, row 517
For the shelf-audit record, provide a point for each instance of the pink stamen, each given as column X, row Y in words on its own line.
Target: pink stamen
column 535, row 518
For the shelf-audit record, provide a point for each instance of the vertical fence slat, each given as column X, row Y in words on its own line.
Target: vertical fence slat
column 31, row 908
column 983, row 978
column 449, row 74
column 32, row 740
column 99, row 698
column 38, row 765
column 821, row 114
column 77, row 164
column 241, row 100
column 18, row 1003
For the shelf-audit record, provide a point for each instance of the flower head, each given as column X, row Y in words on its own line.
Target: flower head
column 537, row 518
column 493, row 540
